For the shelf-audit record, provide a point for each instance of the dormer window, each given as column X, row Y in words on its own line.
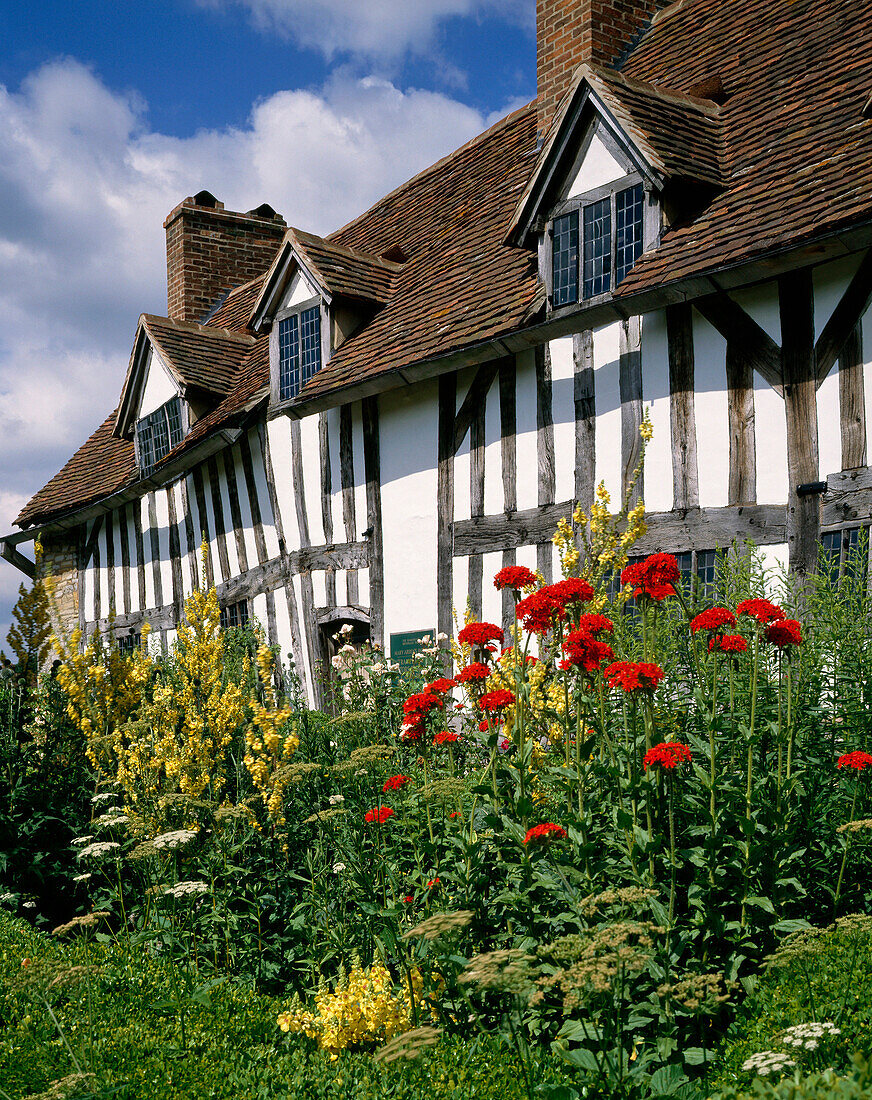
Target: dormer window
column 299, row 349
column 594, row 243
column 157, row 434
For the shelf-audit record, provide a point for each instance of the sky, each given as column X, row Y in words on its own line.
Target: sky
column 111, row 113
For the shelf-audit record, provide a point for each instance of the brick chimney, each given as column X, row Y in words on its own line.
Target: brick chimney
column 210, row 250
column 569, row 32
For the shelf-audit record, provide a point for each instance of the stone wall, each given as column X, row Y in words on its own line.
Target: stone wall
column 60, row 558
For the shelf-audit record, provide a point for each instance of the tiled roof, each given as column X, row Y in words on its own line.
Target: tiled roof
column 344, row 271
column 204, row 356
column 235, row 310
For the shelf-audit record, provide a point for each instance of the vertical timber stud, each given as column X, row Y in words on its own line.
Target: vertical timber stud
column 476, row 498
column 630, row 382
column 140, row 551
column 175, row 555
column 203, row 516
column 346, row 474
column 445, row 503
column 95, row 564
column 852, row 401
column 154, row 542
column 327, row 501
column 190, row 537
column 372, row 472
column 110, row 561
column 509, row 460
column 218, row 513
column 307, row 589
column 796, row 307
column 585, row 419
column 685, row 471
column 257, row 526
column 742, row 487
column 229, row 464
column 544, row 451
column 125, row 559
column 80, row 582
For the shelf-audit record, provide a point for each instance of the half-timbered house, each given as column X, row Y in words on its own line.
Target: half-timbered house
column 364, row 427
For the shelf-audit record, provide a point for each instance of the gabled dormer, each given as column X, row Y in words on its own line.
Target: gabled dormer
column 178, row 371
column 316, row 295
column 622, row 162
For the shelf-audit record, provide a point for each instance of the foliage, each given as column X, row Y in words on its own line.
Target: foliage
column 30, row 633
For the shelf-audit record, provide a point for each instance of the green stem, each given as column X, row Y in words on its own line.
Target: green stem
column 751, row 723
column 847, row 844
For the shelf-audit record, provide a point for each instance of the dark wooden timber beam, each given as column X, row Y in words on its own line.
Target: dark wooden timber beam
column 748, row 339
column 844, row 319
column 682, row 408
column 474, row 400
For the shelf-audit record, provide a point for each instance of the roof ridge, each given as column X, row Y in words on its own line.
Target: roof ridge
column 353, row 253
column 485, row 134
column 200, row 329
column 681, row 99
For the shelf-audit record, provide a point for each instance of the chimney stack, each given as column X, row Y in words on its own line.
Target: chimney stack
column 210, row 250
column 570, row 32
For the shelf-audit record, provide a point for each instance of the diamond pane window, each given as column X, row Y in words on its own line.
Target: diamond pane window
column 129, row 643
column 597, row 248
column 706, row 571
column 310, row 343
column 289, row 357
column 629, row 209
column 158, row 432
column 234, row 614
column 564, row 255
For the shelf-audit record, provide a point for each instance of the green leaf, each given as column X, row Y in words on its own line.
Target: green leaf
column 762, row 903
column 577, row 1056
column 791, row 925
column 696, row 1056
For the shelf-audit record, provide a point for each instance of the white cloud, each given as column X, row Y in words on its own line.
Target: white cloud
column 84, row 188
column 379, row 29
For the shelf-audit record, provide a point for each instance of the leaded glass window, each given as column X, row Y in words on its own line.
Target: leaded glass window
column 299, row 350
column 129, row 643
column 597, row 248
column 565, row 259
column 310, row 343
column 234, row 614
column 158, row 432
column 629, row 210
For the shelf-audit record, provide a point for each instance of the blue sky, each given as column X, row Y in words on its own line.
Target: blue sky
column 110, row 113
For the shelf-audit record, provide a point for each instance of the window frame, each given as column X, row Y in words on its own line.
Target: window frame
column 576, row 204
column 296, row 310
column 854, row 541
column 184, row 425
column 225, row 612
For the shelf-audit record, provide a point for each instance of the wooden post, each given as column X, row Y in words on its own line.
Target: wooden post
column 585, row 419
column 852, row 401
column 229, row 464
column 125, row 559
column 190, row 537
column 346, row 475
column 175, row 555
column 203, row 525
column 372, row 471
column 545, row 451
column 139, row 544
column 445, row 503
column 311, row 629
column 154, row 542
column 327, row 501
column 476, row 497
column 509, row 461
column 798, row 367
column 742, row 488
column 218, row 513
column 630, row 380
column 110, row 560
column 685, row 473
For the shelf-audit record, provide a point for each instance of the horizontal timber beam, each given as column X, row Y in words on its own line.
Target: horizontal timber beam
column 848, row 499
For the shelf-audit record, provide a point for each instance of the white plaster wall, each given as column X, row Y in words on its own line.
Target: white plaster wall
column 279, row 433
column 761, row 303
column 830, row 282
column 657, row 485
column 460, row 589
column 229, row 537
column 283, row 625
column 360, row 512
column 775, row 559
column 527, row 462
column 104, row 572
column 771, row 435
column 712, row 414
column 159, row 386
column 299, row 290
column 363, row 587
column 311, row 450
column 866, row 329
column 563, row 414
column 598, row 168
column 462, row 462
column 408, row 424
column 244, row 507
column 305, row 673
column 494, row 502
column 197, row 523
column 332, row 416
column 829, row 426
column 259, row 612
column 491, row 599
column 117, row 594
column 146, row 552
column 607, row 389
column 319, row 586
column 270, row 537
column 131, row 542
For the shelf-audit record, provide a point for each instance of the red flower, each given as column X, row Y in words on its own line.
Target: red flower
column 439, row 687
column 421, row 703
column 379, row 814
column 412, row 728
column 784, row 632
column 728, row 643
column 585, row 651
column 542, row 834
column 570, row 590
column 538, row 611
column 446, row 738
column 496, row 700
column 453, row 814
column 714, row 619
column 654, row 577
column 472, row 673
column 479, row 634
column 434, row 883
column 593, row 623
column 395, row 783
column 515, row 576
column 630, row 676
column 668, row 754
column 859, row 761
column 408, row 899
column 762, row 610
column 505, row 744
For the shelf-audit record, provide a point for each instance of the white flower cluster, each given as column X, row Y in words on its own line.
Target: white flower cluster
column 768, row 1061
column 6, row 899
column 112, row 817
column 80, row 840
column 82, row 878
column 175, row 839
column 808, row 1036
column 335, row 799
column 101, row 848
column 338, row 867
column 186, row 889
column 106, row 796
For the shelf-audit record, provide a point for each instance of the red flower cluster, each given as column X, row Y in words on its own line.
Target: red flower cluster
column 632, row 676
column 654, row 577
column 434, row 883
column 479, row 634
column 585, row 651
column 473, row 673
column 412, row 728
column 728, row 643
column 668, row 754
column 439, row 687
column 395, row 783
column 542, row 834
column 714, row 619
column 538, row 611
column 516, row 577
column 570, row 590
column 421, row 703
column 487, row 724
column 764, row 611
column 784, row 632
column 496, row 700
column 446, row 737
column 379, row 814
column 593, row 623
column 859, row 761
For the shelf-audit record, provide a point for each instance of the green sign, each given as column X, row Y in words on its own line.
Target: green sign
column 405, row 646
